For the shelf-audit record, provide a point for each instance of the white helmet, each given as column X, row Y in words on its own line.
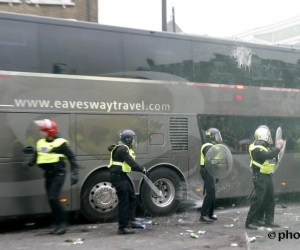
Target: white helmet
column 263, row 134
column 270, row 139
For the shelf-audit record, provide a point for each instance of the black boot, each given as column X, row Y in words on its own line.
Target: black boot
column 251, row 226
column 213, row 217
column 205, row 219
column 126, row 231
column 60, row 229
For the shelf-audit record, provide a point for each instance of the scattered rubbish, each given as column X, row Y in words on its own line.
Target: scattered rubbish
column 78, row 241
column 238, row 212
column 180, row 220
column 229, row 225
column 269, row 229
column 287, row 213
column 286, row 227
column 234, row 245
column 251, row 239
column 92, row 227
column 189, row 231
column 193, row 235
column 147, row 222
column 184, row 234
column 258, row 236
column 236, row 219
column 201, row 232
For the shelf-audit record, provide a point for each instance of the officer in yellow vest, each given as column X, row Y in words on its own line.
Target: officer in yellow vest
column 122, row 161
column 263, row 161
column 50, row 155
column 213, row 137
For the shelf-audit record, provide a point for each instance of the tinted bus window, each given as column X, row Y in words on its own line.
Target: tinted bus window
column 166, row 59
column 78, row 51
column 238, row 131
column 214, row 63
column 273, row 68
column 94, row 133
column 18, row 46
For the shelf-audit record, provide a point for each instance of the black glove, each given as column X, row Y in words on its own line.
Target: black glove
column 145, row 172
column 27, row 164
column 74, row 178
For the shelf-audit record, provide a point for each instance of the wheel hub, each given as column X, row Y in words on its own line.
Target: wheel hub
column 103, row 197
column 168, row 190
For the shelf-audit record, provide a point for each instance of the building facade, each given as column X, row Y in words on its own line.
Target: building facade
column 286, row 32
column 81, row 10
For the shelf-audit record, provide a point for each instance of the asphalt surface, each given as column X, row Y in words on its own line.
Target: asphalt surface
column 169, row 232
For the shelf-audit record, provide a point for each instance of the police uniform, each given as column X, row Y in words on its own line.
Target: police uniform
column 208, row 206
column 263, row 161
column 50, row 156
column 122, row 162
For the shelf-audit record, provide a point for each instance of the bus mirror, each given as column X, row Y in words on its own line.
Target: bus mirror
column 28, row 150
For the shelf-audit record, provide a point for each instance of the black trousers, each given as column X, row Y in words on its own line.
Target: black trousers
column 208, row 206
column 53, row 185
column 263, row 202
column 127, row 198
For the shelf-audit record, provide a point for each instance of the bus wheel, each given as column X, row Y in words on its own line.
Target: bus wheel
column 98, row 198
column 168, row 182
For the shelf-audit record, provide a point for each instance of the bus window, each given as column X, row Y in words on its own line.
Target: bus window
column 238, row 131
column 213, row 63
column 94, row 133
column 78, row 51
column 169, row 56
column 18, row 46
column 276, row 69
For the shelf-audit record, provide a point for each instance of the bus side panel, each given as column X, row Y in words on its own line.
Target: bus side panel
column 22, row 190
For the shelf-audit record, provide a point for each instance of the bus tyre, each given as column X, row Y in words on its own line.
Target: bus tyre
column 169, row 183
column 98, row 198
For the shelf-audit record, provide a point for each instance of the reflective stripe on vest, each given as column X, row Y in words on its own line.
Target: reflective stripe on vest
column 125, row 167
column 44, row 148
column 268, row 166
column 202, row 157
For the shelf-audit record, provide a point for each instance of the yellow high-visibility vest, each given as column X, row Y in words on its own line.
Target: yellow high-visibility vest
column 125, row 167
column 202, row 157
column 44, row 154
column 268, row 166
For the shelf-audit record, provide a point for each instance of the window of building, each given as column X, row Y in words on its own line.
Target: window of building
column 51, row 2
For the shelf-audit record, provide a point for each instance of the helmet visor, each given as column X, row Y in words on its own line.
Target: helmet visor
column 134, row 141
column 218, row 137
column 40, row 123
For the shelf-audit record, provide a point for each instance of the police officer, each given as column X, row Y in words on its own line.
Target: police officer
column 263, row 161
column 50, row 155
column 213, row 137
column 122, row 161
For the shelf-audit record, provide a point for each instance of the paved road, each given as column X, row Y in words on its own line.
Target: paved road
column 164, row 233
